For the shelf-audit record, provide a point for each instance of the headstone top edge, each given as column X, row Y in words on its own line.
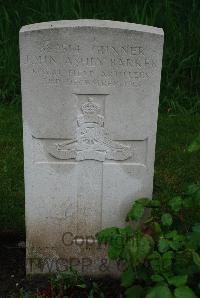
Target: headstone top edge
column 92, row 23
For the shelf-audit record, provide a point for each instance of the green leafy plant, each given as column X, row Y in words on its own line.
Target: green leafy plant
column 68, row 279
column 162, row 254
column 66, row 284
column 25, row 294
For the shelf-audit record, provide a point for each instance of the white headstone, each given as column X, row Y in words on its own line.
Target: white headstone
column 90, row 93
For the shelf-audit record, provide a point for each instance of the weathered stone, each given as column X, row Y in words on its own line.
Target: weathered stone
column 90, row 93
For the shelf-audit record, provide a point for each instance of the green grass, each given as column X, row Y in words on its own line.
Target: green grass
column 174, row 167
column 11, row 169
column 180, row 20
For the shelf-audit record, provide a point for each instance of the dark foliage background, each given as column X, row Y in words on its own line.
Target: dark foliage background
column 180, row 19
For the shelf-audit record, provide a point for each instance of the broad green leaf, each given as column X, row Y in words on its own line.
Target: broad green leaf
column 156, row 265
column 166, row 219
column 136, row 212
column 106, row 235
column 114, row 252
column 117, row 240
column 140, row 247
column 176, row 240
column 175, row 204
column 184, row 292
column 193, row 191
column 155, row 261
column 178, row 281
column 160, row 291
column 192, row 188
column 125, row 253
column 127, row 277
column 171, row 235
column 127, row 231
column 196, row 258
column 174, row 236
column 134, row 292
column 157, row 278
column 163, row 245
column 145, row 245
column 167, row 260
column 156, row 227
column 176, row 245
column 133, row 251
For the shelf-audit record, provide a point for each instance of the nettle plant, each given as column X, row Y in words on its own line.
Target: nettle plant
column 161, row 254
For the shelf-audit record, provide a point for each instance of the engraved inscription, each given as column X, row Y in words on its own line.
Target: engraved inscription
column 92, row 140
column 99, row 65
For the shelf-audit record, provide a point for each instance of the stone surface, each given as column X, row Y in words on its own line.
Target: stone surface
column 90, row 93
